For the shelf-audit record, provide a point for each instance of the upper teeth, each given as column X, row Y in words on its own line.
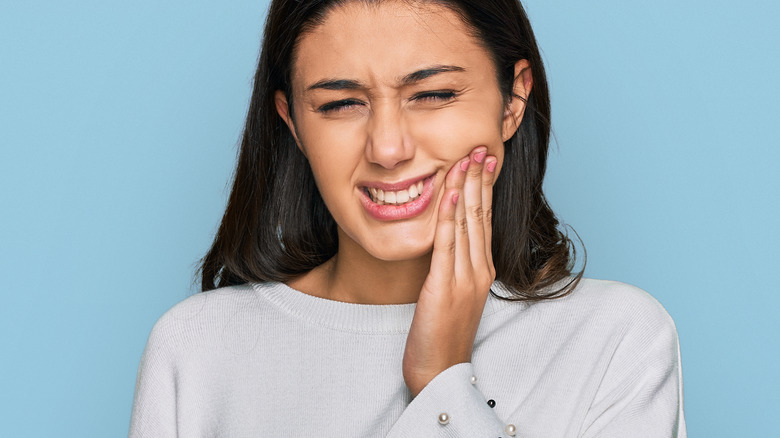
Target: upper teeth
column 396, row 197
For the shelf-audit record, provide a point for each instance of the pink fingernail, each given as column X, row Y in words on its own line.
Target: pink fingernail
column 478, row 157
column 464, row 165
column 491, row 166
column 455, row 199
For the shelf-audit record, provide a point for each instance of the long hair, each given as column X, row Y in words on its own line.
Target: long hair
column 276, row 226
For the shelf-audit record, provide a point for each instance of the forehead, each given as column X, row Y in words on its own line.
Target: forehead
column 384, row 41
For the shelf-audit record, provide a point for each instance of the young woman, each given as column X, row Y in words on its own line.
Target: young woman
column 388, row 265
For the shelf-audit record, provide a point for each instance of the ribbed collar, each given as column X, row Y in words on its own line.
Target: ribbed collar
column 357, row 318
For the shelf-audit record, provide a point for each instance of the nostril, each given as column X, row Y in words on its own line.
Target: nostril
column 389, row 156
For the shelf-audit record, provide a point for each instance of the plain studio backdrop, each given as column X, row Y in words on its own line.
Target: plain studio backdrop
column 119, row 123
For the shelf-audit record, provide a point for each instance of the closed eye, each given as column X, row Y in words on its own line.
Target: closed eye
column 427, row 96
column 339, row 105
column 434, row 96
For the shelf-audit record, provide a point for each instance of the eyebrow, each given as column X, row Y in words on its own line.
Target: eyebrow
column 336, row 84
column 411, row 78
column 425, row 73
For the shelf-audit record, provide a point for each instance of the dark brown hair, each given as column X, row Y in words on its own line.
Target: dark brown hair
column 277, row 227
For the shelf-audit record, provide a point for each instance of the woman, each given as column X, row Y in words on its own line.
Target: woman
column 350, row 289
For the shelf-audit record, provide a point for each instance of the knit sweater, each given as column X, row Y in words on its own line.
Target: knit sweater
column 264, row 360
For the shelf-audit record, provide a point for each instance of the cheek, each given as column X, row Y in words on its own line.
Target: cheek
column 451, row 133
column 333, row 150
column 331, row 140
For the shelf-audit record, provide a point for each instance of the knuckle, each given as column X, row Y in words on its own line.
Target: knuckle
column 476, row 212
column 450, row 248
column 489, row 214
column 463, row 224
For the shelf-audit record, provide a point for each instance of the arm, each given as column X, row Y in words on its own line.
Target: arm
column 451, row 393
column 637, row 391
column 154, row 404
column 453, row 295
column 639, row 395
column 641, row 391
column 436, row 364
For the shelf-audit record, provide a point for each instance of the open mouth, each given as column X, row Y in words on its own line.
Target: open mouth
column 404, row 200
column 395, row 197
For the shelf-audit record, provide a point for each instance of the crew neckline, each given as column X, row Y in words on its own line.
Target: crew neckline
column 358, row 318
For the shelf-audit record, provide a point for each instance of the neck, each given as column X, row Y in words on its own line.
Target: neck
column 355, row 276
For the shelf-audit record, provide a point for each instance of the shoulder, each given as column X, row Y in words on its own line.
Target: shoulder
column 609, row 310
column 617, row 297
column 635, row 321
column 204, row 306
column 613, row 300
column 627, row 326
column 204, row 319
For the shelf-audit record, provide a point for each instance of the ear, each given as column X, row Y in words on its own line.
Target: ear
column 513, row 113
column 283, row 109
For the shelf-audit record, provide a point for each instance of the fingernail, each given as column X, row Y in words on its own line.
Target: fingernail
column 479, row 156
column 464, row 165
column 491, row 166
column 455, row 199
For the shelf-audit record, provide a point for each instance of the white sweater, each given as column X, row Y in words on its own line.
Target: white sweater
column 265, row 360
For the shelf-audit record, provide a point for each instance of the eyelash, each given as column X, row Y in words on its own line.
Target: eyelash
column 340, row 105
column 442, row 95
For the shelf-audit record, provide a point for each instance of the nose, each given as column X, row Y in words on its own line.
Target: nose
column 386, row 144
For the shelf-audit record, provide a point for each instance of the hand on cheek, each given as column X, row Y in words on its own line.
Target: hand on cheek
column 454, row 293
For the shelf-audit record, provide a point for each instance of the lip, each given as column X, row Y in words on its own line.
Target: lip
column 394, row 187
column 398, row 212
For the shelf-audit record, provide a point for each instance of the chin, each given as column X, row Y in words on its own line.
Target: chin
column 398, row 251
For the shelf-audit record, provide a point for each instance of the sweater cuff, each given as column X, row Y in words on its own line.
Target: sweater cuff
column 450, row 406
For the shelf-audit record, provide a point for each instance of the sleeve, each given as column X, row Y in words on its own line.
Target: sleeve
column 154, row 404
column 450, row 406
column 641, row 391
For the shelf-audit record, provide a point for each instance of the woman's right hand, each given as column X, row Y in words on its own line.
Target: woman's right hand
column 453, row 296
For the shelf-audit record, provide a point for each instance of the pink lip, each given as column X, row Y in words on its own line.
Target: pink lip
column 394, row 187
column 398, row 212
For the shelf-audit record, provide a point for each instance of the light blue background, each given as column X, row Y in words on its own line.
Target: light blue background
column 118, row 130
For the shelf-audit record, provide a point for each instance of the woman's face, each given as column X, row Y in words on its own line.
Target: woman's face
column 387, row 98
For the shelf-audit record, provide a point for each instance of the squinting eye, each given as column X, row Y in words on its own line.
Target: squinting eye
column 443, row 95
column 338, row 105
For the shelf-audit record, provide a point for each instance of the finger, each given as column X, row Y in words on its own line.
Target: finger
column 443, row 258
column 474, row 208
column 488, row 179
column 457, row 175
column 462, row 249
